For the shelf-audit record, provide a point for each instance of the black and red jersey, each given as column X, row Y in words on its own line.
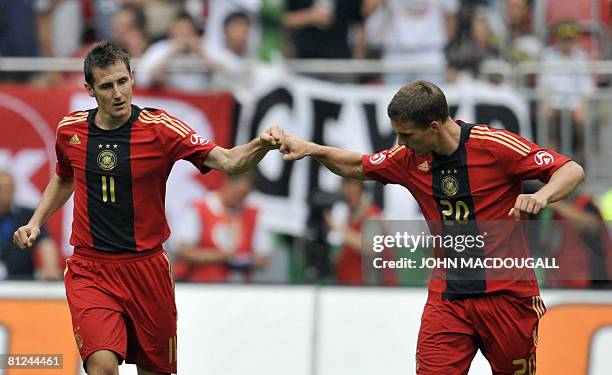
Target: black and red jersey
column 120, row 176
column 479, row 182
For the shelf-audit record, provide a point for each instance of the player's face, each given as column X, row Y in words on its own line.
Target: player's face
column 238, row 190
column 418, row 140
column 112, row 89
column 353, row 191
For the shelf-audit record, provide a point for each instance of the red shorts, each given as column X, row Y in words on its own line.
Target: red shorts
column 124, row 303
column 502, row 326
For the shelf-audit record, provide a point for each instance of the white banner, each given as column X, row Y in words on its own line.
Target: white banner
column 352, row 117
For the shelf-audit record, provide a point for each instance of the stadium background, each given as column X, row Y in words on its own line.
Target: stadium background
column 293, row 319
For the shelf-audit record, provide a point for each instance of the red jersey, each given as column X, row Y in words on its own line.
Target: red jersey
column 479, row 182
column 120, row 176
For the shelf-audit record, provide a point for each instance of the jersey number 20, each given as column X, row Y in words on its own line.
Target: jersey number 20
column 459, row 212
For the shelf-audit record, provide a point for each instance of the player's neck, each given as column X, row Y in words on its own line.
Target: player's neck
column 107, row 122
column 450, row 136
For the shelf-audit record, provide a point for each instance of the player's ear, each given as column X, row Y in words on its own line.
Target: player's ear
column 435, row 126
column 89, row 89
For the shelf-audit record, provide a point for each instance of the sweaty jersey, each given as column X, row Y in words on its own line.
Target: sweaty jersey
column 120, row 176
column 479, row 182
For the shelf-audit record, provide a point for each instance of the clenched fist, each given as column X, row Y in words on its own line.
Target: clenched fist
column 25, row 236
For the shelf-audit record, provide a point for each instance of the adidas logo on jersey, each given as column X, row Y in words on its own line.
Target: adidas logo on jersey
column 424, row 166
column 74, row 140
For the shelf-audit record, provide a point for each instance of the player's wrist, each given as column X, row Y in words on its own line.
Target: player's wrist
column 34, row 225
column 313, row 149
column 262, row 144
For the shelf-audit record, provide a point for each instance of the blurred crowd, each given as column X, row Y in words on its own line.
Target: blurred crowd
column 447, row 37
column 445, row 41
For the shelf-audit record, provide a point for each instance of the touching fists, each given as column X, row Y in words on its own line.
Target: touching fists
column 294, row 148
column 272, row 138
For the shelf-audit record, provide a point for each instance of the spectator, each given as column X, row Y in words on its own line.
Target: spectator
column 345, row 222
column 161, row 12
column 184, row 44
column 580, row 243
column 130, row 30
column 60, row 27
column 16, row 264
column 321, row 29
column 17, row 34
column 474, row 43
column 514, row 31
column 417, row 31
column 232, row 54
column 272, row 36
column 567, row 91
column 218, row 12
column 220, row 238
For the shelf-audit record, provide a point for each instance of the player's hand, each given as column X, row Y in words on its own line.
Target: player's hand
column 272, row 138
column 25, row 236
column 294, row 148
column 320, row 17
column 528, row 204
column 329, row 221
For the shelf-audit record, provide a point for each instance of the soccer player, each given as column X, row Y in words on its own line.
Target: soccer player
column 461, row 173
column 116, row 159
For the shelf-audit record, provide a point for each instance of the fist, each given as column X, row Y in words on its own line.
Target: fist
column 527, row 203
column 25, row 236
column 272, row 138
column 294, row 148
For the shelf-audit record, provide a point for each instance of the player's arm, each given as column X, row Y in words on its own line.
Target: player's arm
column 56, row 194
column 341, row 162
column 240, row 159
column 562, row 182
column 349, row 236
column 196, row 255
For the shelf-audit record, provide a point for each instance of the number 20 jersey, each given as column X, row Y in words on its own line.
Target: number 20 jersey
column 120, row 176
column 479, row 182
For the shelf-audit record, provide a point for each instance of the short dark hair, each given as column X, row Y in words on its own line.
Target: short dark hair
column 419, row 102
column 137, row 12
column 239, row 15
column 185, row 16
column 101, row 55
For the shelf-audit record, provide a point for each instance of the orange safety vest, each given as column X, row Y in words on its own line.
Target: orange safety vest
column 211, row 233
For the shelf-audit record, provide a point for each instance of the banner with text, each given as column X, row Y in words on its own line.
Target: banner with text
column 353, row 117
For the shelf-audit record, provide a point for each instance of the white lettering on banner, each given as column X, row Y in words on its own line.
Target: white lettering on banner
column 352, row 117
column 198, row 139
column 543, row 158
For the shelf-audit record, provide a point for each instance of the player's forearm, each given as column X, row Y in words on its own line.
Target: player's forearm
column 297, row 19
column 353, row 239
column 562, row 182
column 55, row 195
column 341, row 162
column 198, row 255
column 242, row 158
